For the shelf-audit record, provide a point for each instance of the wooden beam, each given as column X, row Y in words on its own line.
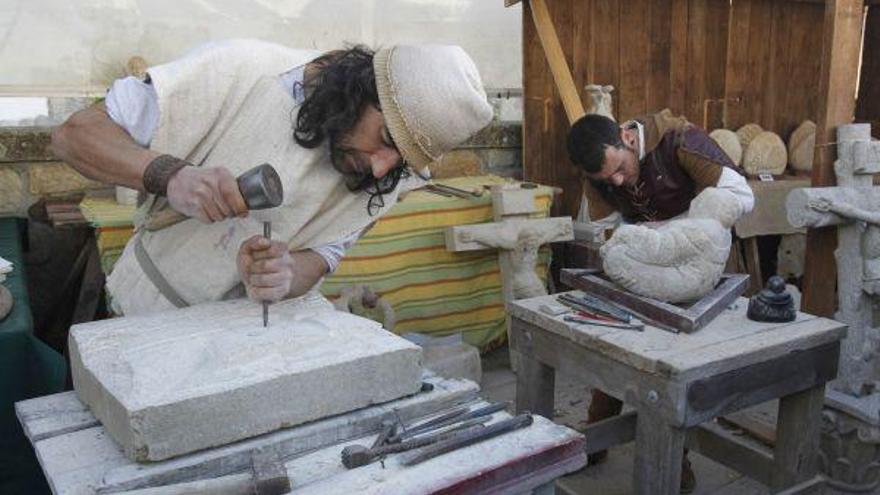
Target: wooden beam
column 571, row 101
column 837, row 89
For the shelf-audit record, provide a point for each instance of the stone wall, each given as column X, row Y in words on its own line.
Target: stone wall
column 28, row 171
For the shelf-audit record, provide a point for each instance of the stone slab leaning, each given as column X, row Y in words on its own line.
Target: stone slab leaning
column 185, row 380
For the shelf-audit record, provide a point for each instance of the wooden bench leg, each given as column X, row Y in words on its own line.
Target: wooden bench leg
column 659, row 449
column 535, row 387
column 797, row 437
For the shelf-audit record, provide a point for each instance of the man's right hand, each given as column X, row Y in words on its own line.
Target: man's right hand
column 208, row 194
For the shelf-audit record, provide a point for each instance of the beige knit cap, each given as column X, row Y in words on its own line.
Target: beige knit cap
column 432, row 99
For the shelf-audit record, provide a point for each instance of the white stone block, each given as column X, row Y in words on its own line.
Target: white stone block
column 180, row 381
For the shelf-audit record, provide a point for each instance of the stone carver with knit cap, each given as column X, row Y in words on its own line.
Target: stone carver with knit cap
column 346, row 130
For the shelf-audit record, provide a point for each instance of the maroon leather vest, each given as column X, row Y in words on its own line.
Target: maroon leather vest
column 664, row 190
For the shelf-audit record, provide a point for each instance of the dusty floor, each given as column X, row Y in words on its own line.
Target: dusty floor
column 613, row 476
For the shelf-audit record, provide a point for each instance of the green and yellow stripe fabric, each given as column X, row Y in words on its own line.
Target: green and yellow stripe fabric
column 404, row 259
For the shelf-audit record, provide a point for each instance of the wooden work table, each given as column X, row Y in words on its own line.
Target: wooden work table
column 678, row 383
column 78, row 457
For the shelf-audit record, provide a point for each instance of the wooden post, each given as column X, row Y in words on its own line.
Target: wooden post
column 839, row 74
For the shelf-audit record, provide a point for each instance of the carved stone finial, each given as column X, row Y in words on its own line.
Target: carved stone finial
column 772, row 304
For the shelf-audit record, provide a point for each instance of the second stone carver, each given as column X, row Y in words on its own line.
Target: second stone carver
column 649, row 170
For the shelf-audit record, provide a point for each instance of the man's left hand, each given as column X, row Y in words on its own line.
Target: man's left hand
column 266, row 269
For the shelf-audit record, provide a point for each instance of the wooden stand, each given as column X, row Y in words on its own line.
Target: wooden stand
column 678, row 382
column 78, row 457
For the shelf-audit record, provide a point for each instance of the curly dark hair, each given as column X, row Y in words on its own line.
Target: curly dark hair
column 336, row 97
column 588, row 138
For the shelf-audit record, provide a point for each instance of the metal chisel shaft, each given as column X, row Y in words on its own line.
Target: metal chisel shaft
column 267, row 233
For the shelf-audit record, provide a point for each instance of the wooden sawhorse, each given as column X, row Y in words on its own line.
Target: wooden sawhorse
column 678, row 382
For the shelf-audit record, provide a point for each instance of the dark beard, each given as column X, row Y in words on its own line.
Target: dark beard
column 359, row 181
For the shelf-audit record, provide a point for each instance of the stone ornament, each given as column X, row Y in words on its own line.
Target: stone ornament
column 748, row 132
column 765, row 154
column 801, row 146
column 680, row 261
column 599, row 100
column 773, row 303
column 729, row 142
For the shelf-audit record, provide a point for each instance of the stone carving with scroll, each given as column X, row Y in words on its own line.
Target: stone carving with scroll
column 765, row 154
column 599, row 100
column 729, row 142
column 801, row 146
column 683, row 259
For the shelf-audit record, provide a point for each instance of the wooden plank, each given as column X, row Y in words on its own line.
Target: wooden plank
column 737, row 389
column 840, row 60
column 777, row 65
column 634, row 60
column 734, row 451
column 797, row 89
column 696, row 62
column 737, row 76
column 574, row 108
column 760, row 34
column 717, row 26
column 658, row 453
column 88, row 459
column 583, row 46
column 609, row 432
column 678, row 66
column 798, row 429
column 753, row 263
column 53, row 415
column 606, row 31
column 658, row 77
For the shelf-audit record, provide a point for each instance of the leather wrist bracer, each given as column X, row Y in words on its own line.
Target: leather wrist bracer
column 159, row 172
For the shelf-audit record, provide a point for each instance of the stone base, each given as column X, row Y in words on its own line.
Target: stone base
column 184, row 380
column 849, row 453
